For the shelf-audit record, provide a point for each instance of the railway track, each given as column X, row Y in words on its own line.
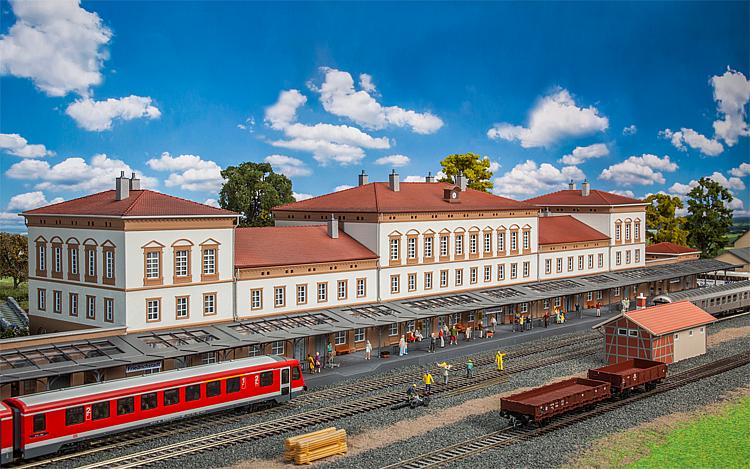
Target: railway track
column 362, row 386
column 482, row 378
column 515, row 434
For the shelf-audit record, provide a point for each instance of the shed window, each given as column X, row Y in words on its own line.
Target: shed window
column 148, row 401
column 266, row 378
column 677, row 337
column 213, row 389
column 701, row 329
column 100, row 410
column 233, row 385
column 74, row 415
column 633, row 332
column 192, row 392
column 126, row 405
column 40, row 422
column 622, row 331
column 690, row 333
column 171, row 396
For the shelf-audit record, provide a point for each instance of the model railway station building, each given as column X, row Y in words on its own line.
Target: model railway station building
column 128, row 280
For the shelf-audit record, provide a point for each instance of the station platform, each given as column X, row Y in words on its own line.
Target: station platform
column 352, row 365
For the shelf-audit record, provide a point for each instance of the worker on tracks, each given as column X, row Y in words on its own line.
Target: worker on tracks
column 427, row 380
column 469, row 368
column 499, row 360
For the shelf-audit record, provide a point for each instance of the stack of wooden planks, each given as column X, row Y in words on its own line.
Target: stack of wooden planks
column 304, row 449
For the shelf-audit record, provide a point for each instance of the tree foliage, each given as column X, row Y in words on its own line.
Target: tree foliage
column 14, row 257
column 475, row 168
column 709, row 218
column 253, row 189
column 662, row 222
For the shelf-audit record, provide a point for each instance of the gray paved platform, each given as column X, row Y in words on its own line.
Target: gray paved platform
column 354, row 364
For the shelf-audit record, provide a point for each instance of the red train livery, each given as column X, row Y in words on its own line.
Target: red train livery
column 45, row 422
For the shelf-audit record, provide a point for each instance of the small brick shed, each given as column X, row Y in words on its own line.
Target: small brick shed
column 667, row 333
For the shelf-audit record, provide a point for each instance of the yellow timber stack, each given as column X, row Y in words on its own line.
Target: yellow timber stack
column 304, row 449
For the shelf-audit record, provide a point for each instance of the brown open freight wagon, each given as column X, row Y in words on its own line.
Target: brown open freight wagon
column 629, row 374
column 541, row 404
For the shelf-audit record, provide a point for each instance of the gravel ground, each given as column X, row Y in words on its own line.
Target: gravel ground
column 271, row 448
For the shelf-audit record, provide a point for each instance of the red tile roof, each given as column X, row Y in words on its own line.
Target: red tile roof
column 574, row 197
column 672, row 317
column 566, row 229
column 669, row 248
column 377, row 197
column 141, row 203
column 291, row 245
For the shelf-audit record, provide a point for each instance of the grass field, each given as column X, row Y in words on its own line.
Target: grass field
column 21, row 294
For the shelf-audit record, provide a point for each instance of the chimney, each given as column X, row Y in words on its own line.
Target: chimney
column 461, row 181
column 571, row 185
column 393, row 181
column 135, row 183
column 430, row 177
column 585, row 189
column 362, row 178
column 122, row 187
column 333, row 227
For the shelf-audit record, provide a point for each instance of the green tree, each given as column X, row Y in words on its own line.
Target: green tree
column 253, row 189
column 14, row 257
column 475, row 168
column 709, row 218
column 662, row 222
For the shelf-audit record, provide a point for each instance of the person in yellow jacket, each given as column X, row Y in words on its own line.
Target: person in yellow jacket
column 499, row 361
column 427, row 380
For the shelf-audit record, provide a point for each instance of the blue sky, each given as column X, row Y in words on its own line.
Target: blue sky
column 638, row 98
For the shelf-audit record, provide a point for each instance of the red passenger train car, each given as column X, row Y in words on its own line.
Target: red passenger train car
column 43, row 423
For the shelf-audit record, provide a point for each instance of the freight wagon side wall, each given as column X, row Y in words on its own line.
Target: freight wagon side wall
column 624, row 340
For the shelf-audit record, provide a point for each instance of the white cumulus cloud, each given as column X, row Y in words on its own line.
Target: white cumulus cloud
column 645, row 170
column 393, row 160
column 212, row 202
column 529, row 178
column 626, row 193
column 288, row 166
column 630, row 130
column 29, row 201
column 301, row 196
column 694, row 140
column 19, row 146
column 339, row 97
column 733, row 183
column 581, row 154
column 284, row 111
column 97, row 116
column 56, row 44
column 741, row 171
column 188, row 172
column 555, row 117
column 342, row 187
column 731, row 93
column 324, row 151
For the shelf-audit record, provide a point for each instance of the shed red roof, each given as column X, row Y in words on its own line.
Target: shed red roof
column 141, row 203
column 574, row 197
column 672, row 317
column 377, row 197
column 669, row 248
column 291, row 245
column 566, row 229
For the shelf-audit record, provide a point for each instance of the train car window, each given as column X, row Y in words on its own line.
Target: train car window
column 213, row 388
column 233, row 385
column 266, row 378
column 734, row 297
column 40, row 422
column 192, row 392
column 126, row 405
column 285, row 376
column 74, row 415
column 295, row 373
column 148, row 401
column 171, row 396
column 100, row 410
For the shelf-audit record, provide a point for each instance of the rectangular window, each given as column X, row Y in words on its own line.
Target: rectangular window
column 589, row 296
column 394, row 283
column 473, row 275
column 548, row 266
column 266, row 378
column 501, row 242
column 617, row 231
column 209, row 304
column 340, row 338
column 359, row 334
column 514, row 270
column 109, row 309
column 618, row 258
column 444, row 246
column 637, row 256
column 42, row 257
column 182, row 307
column 459, row 277
column 598, row 294
column 361, row 288
column 109, row 264
column 341, row 289
column 322, row 292
column 634, row 333
column 545, row 303
column 637, row 231
column 152, row 264
column 580, row 262
column 192, row 392
column 526, row 268
column 394, row 249
column 501, row 272
column 209, row 261
column 570, row 263
column 232, row 385
column 74, row 260
column 616, row 291
column 427, row 280
column 301, row 294
column 74, row 415
column 181, row 263
column 90, row 307
column 627, row 232
column 559, row 264
column 279, row 296
column 213, row 388
column 57, row 301
column 627, row 256
column 393, row 329
column 443, row 278
column 524, row 307
column 208, row 358
column 256, row 299
column 600, row 260
column 171, row 397
column 514, row 240
column 412, row 279
column 591, row 261
column 557, row 301
column 473, row 243
column 526, row 243
column 428, row 246
column 100, row 410
column 411, row 248
column 148, row 401
column 488, row 273
column 153, row 310
column 126, row 405
column 73, row 304
column 622, row 331
column 58, row 259
column 459, row 245
column 488, row 242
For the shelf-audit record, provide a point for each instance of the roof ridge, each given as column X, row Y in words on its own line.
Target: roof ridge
column 132, row 204
column 375, row 196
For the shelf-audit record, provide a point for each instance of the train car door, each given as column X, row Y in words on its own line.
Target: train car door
column 285, row 381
